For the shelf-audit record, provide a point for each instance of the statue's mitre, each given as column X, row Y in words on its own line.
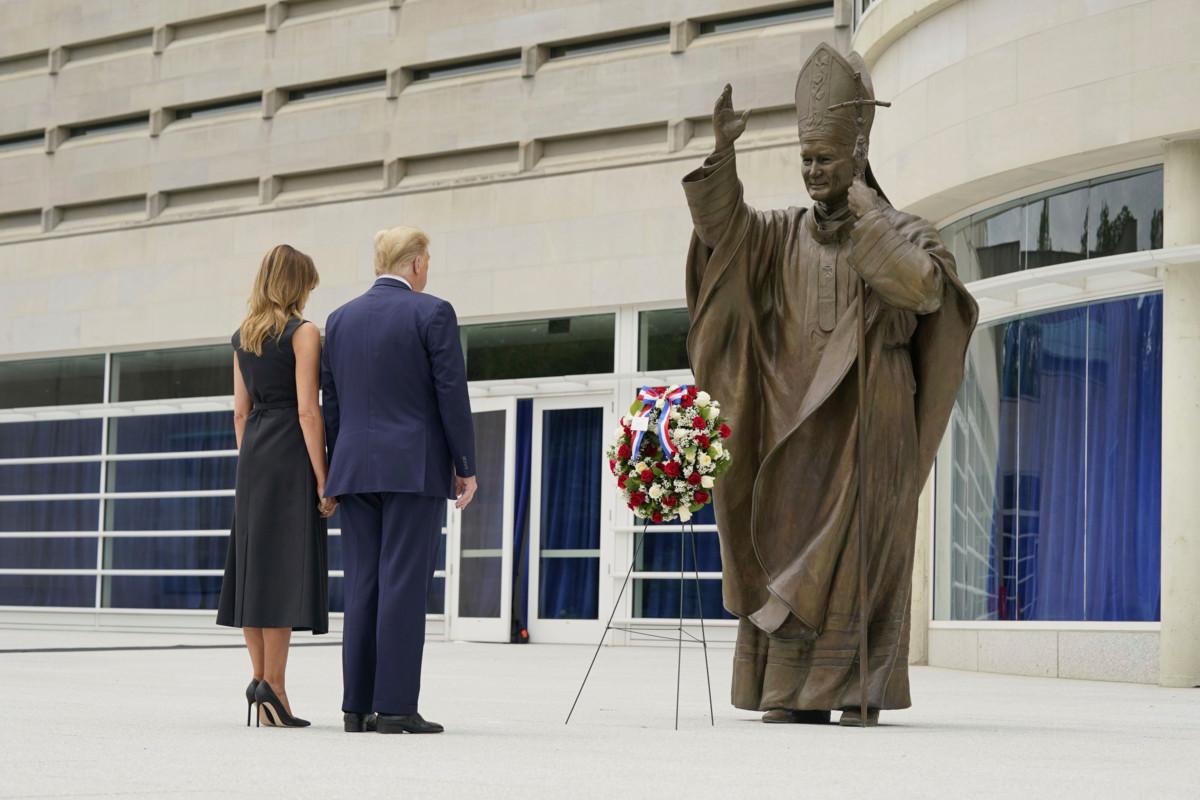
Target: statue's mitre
column 826, row 79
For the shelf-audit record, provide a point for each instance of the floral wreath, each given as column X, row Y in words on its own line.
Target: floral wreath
column 670, row 452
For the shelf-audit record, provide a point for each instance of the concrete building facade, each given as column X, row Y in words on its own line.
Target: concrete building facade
column 150, row 153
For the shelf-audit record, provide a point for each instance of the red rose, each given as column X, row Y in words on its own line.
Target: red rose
column 646, row 476
column 703, row 441
column 669, row 500
column 636, row 499
column 612, row 466
column 686, row 401
column 624, row 452
column 673, row 469
column 656, row 518
column 699, row 423
column 620, row 481
column 701, row 497
column 694, row 479
column 725, row 431
column 692, row 391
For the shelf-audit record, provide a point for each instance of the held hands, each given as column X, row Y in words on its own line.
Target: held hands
column 327, row 505
column 862, row 199
column 728, row 124
column 465, row 489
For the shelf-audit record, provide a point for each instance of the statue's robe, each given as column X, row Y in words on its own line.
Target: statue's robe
column 774, row 336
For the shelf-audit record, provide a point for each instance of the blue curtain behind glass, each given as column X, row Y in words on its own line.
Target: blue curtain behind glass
column 572, row 448
column 659, row 598
column 520, row 533
column 1076, row 531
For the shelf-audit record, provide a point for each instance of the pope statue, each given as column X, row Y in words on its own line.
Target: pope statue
column 774, row 300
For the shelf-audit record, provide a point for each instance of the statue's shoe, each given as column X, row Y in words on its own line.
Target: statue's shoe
column 852, row 718
column 792, row 716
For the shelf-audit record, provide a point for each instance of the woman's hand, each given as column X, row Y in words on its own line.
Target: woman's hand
column 327, row 506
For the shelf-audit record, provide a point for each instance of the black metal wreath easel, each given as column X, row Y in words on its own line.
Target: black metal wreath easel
column 680, row 631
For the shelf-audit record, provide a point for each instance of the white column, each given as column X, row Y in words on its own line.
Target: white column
column 922, row 583
column 1179, row 643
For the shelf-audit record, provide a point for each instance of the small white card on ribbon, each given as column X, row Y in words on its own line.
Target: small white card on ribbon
column 640, row 424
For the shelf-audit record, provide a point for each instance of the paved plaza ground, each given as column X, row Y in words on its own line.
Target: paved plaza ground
column 169, row 722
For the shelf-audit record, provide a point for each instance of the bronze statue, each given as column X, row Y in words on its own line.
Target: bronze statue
column 775, row 300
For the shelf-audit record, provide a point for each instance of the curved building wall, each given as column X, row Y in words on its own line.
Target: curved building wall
column 1054, row 144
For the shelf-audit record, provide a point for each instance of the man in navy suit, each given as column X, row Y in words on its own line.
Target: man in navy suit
column 401, row 442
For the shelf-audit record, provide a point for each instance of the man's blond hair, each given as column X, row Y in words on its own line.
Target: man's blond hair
column 397, row 248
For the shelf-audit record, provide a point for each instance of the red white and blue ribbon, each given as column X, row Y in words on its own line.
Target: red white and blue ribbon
column 649, row 396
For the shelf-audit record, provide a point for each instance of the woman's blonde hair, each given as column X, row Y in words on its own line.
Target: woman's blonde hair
column 281, row 289
column 398, row 247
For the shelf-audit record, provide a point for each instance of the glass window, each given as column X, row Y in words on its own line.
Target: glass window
column 620, row 42
column 764, row 18
column 67, row 437
column 16, row 141
column 658, row 598
column 452, row 70
column 1055, row 462
column 109, row 126
column 1118, row 214
column 167, row 552
column 369, row 83
column 1056, row 229
column 662, row 340
column 538, row 348
column 66, row 553
column 162, row 591
column 233, row 105
column 165, row 374
column 63, row 591
column 1126, row 215
column 52, row 382
column 172, row 433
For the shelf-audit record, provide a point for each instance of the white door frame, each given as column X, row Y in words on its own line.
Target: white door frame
column 485, row 629
column 570, row 630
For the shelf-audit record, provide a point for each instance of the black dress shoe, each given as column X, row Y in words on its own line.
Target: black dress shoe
column 358, row 723
column 793, row 716
column 405, row 723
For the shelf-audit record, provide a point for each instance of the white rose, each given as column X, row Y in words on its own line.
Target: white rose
column 656, row 491
column 718, row 448
column 659, row 403
column 684, row 514
column 703, row 399
column 707, row 481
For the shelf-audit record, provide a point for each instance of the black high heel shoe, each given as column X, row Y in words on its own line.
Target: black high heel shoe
column 270, row 704
column 250, row 698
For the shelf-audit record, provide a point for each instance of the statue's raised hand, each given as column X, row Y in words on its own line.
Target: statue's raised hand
column 728, row 124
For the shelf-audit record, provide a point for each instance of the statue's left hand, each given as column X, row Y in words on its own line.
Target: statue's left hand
column 863, row 199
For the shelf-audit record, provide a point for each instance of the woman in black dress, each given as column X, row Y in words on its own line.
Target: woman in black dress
column 276, row 573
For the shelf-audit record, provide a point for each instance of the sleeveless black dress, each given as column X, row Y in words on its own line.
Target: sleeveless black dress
column 276, row 569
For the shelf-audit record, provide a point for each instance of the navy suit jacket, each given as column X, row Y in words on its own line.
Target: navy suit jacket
column 394, row 393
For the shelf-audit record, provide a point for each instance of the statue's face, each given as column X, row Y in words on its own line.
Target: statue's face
column 828, row 170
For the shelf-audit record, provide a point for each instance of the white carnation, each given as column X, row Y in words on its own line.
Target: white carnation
column 656, row 491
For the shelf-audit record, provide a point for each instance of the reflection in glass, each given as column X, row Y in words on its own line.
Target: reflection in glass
column 482, row 537
column 540, row 347
column 1056, row 229
column 662, row 339
column 569, row 569
column 1055, row 460
column 1126, row 215
column 52, row 382
column 182, row 372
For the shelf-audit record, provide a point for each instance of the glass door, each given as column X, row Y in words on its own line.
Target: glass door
column 480, row 558
column 570, row 518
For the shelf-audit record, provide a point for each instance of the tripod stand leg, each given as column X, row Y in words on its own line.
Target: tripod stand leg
column 712, row 717
column 608, row 625
column 679, row 659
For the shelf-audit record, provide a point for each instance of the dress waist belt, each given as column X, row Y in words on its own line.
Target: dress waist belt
column 272, row 406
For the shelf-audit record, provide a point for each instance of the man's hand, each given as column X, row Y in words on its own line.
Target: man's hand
column 862, row 199
column 728, row 124
column 465, row 489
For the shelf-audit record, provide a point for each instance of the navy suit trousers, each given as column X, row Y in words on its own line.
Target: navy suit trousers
column 389, row 542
